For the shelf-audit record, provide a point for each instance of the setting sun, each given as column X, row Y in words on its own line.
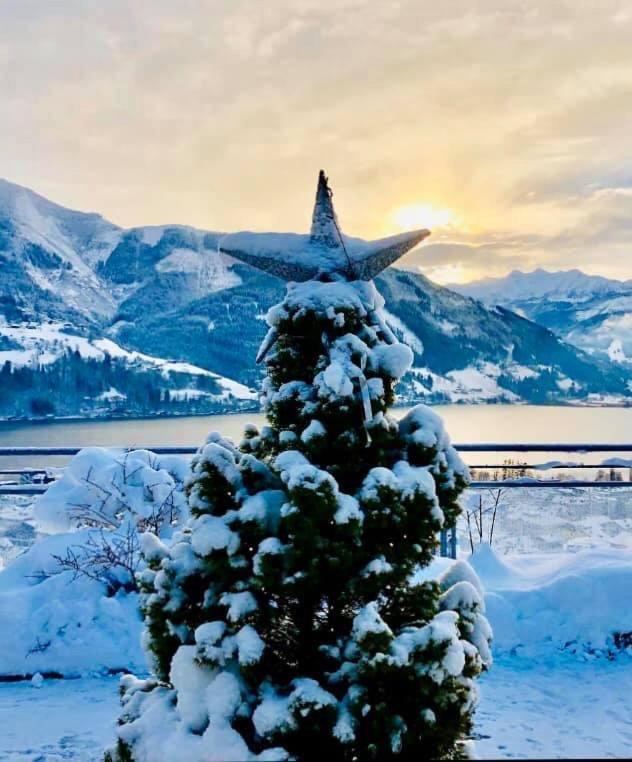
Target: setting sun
column 422, row 216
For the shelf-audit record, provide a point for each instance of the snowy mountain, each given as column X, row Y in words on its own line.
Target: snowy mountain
column 464, row 351
column 589, row 311
column 473, row 352
column 50, row 371
column 87, row 308
column 48, row 254
column 568, row 285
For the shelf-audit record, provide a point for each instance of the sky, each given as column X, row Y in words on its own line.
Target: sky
column 504, row 126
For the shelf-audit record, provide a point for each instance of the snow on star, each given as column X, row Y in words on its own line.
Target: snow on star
column 323, row 254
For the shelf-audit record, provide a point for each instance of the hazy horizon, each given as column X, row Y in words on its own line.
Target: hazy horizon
column 505, row 127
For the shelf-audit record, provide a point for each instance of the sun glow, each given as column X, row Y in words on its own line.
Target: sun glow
column 451, row 273
column 422, row 216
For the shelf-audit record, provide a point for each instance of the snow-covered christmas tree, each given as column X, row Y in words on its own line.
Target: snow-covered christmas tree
column 293, row 617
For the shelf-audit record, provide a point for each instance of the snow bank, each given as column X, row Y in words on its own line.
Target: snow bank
column 541, row 605
column 57, row 624
column 491, row 568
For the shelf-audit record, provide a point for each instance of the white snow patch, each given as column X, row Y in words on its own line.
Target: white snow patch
column 615, row 351
column 542, row 605
column 403, row 332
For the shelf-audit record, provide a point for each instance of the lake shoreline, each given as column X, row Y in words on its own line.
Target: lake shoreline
column 112, row 418
column 259, row 411
column 464, row 423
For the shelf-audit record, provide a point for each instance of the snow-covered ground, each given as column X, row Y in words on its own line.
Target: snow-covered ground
column 560, row 710
column 63, row 719
column 554, row 520
column 559, row 686
column 17, row 527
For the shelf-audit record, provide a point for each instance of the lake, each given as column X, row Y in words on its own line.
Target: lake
column 465, row 423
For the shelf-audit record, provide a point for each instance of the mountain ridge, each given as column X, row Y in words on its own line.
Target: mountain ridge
column 539, row 282
column 166, row 291
column 589, row 311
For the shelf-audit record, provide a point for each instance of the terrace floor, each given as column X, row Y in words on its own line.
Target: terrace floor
column 567, row 709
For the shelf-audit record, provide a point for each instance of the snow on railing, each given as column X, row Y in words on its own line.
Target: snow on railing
column 543, row 447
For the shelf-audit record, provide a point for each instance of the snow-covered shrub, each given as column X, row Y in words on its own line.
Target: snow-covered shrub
column 289, row 618
column 68, row 604
column 118, row 495
column 100, row 486
column 481, row 509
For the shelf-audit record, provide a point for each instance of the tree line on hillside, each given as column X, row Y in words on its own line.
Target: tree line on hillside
column 76, row 385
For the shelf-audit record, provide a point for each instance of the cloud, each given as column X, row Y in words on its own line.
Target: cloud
column 219, row 114
column 450, row 261
column 599, row 241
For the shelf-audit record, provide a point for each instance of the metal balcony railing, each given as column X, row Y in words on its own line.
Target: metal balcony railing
column 38, row 478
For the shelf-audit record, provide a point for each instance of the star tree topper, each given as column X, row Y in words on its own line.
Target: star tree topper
column 324, row 254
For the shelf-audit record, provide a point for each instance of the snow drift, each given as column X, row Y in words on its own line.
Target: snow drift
column 540, row 605
column 52, row 623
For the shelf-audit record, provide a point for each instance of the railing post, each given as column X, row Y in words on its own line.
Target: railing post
column 444, row 543
column 453, row 542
